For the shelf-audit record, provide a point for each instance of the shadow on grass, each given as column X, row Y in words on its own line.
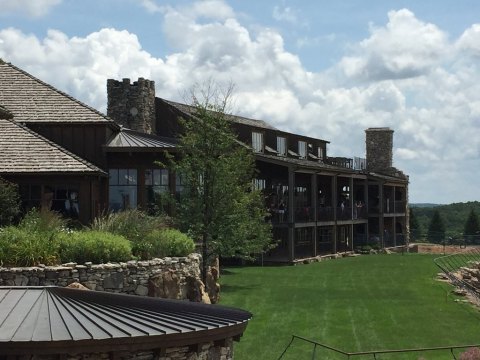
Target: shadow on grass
column 234, row 288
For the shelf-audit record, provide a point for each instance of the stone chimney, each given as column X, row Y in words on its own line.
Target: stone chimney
column 379, row 144
column 132, row 105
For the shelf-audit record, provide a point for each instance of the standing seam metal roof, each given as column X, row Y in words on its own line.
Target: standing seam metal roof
column 127, row 139
column 41, row 315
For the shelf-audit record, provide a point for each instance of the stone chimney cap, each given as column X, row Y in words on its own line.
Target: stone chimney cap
column 379, row 129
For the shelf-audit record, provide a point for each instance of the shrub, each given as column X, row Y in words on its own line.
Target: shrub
column 43, row 221
column 9, row 202
column 166, row 242
column 94, row 246
column 21, row 247
column 132, row 224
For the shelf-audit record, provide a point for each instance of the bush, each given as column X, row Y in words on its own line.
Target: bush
column 132, row 224
column 43, row 221
column 160, row 243
column 21, row 247
column 95, row 246
column 9, row 202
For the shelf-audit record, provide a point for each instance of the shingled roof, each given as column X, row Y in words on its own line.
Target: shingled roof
column 24, row 151
column 53, row 320
column 32, row 100
column 190, row 110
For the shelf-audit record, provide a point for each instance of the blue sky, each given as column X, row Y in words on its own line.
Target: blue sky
column 328, row 69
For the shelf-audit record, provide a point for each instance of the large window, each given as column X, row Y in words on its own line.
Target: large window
column 257, row 141
column 156, row 185
column 302, row 149
column 320, row 153
column 281, row 146
column 259, row 184
column 122, row 189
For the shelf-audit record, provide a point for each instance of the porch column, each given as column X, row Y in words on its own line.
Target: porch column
column 291, row 213
column 381, row 215
column 314, row 199
column 334, row 204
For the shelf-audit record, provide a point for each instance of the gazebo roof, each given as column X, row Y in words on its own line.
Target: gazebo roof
column 53, row 320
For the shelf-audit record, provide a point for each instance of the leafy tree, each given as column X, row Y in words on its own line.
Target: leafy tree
column 472, row 227
column 9, row 202
column 218, row 207
column 436, row 229
column 415, row 229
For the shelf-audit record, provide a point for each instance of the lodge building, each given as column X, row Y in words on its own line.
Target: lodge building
column 73, row 159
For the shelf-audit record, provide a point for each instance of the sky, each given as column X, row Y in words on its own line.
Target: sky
column 325, row 69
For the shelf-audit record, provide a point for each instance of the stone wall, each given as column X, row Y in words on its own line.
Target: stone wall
column 210, row 351
column 132, row 105
column 171, row 277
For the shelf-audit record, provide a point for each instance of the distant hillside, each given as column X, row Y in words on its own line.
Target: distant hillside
column 423, row 205
column 454, row 215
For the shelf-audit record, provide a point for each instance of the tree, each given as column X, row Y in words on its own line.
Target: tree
column 9, row 202
column 436, row 229
column 472, row 227
column 218, row 206
column 415, row 229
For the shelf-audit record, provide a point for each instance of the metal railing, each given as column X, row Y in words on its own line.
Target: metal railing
column 373, row 353
column 457, row 268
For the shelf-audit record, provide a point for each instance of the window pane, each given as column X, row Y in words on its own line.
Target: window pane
column 164, row 173
column 257, row 141
column 148, row 177
column 122, row 177
column 122, row 197
column 156, row 177
column 132, row 176
column 281, row 145
column 302, row 149
column 113, row 176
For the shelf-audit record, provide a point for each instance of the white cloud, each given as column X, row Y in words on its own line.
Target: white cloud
column 151, row 6
column 426, row 90
column 33, row 8
column 285, row 14
column 406, row 47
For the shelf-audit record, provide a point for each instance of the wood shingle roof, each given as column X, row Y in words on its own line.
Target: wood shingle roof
column 32, row 100
column 24, row 151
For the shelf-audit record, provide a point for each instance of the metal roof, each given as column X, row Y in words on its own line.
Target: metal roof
column 39, row 317
column 128, row 140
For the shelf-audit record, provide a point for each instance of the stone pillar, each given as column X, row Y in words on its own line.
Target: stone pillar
column 291, row 213
column 379, row 147
column 132, row 105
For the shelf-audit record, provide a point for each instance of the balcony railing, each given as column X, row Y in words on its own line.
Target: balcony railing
column 356, row 163
column 391, row 207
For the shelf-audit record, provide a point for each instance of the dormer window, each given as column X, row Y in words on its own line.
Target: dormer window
column 302, row 149
column 281, row 146
column 257, row 141
column 320, row 153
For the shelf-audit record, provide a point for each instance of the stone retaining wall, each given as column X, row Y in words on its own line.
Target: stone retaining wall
column 171, row 277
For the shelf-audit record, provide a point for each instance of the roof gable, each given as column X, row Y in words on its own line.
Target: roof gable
column 24, row 151
column 32, row 100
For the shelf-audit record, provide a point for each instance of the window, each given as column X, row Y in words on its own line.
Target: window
column 179, row 185
column 302, row 149
column 257, row 141
column 320, row 153
column 259, row 184
column 122, row 189
column 156, row 185
column 281, row 146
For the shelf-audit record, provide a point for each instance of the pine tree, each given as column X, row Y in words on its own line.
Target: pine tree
column 472, row 228
column 9, row 202
column 436, row 229
column 415, row 229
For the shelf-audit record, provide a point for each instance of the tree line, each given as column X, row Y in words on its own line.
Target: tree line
column 458, row 222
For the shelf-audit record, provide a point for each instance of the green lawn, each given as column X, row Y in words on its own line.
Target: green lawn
column 356, row 304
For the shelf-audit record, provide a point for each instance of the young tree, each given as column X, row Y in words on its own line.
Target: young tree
column 218, row 206
column 9, row 202
column 436, row 229
column 472, row 227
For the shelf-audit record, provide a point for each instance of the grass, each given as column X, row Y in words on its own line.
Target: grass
column 354, row 304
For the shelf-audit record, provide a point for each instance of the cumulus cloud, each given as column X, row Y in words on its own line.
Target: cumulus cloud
column 285, row 14
column 406, row 47
column 406, row 75
column 36, row 8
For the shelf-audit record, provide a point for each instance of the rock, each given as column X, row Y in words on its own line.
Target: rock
column 164, row 285
column 76, row 285
column 141, row 290
column 442, row 276
column 213, row 288
column 114, row 281
column 196, row 290
column 460, row 292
